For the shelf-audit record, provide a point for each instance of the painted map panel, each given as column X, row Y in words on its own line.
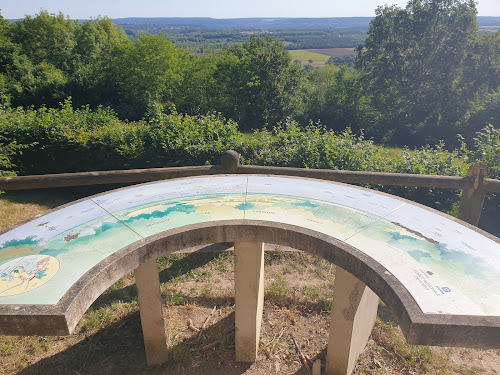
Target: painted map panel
column 41, row 259
column 447, row 268
column 153, row 208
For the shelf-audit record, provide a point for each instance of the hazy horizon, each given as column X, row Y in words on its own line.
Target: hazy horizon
column 219, row 9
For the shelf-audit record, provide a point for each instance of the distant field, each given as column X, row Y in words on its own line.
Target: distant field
column 309, row 58
column 335, row 52
column 489, row 28
column 319, row 57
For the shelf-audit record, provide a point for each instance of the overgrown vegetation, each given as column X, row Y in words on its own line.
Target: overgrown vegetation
column 84, row 97
column 423, row 75
column 48, row 140
column 69, row 140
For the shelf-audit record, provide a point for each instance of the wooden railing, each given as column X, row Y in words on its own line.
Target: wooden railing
column 474, row 186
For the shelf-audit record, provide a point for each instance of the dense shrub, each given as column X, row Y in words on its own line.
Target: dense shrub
column 432, row 161
column 68, row 140
column 7, row 151
column 188, row 140
column 314, row 147
column 310, row 147
column 487, row 151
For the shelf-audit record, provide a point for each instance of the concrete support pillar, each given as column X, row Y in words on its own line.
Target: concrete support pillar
column 150, row 308
column 249, row 298
column 353, row 316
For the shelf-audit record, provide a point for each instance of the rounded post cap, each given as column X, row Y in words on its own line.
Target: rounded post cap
column 230, row 161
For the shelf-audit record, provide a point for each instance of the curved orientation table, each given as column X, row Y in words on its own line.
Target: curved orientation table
column 440, row 277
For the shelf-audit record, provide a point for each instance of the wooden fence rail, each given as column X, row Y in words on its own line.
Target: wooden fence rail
column 474, row 186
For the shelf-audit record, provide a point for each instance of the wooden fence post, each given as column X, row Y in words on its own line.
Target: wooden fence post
column 230, row 161
column 472, row 200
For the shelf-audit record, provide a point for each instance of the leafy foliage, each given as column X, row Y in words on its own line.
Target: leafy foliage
column 259, row 82
column 310, row 147
column 424, row 75
column 342, row 60
column 68, row 140
column 487, row 151
column 422, row 65
column 434, row 161
column 71, row 140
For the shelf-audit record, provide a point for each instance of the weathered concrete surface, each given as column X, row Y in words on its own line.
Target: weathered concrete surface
column 354, row 311
column 419, row 328
column 150, row 308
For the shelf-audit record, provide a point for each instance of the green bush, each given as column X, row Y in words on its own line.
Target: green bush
column 314, row 147
column 176, row 140
column 431, row 161
column 68, row 140
column 487, row 151
column 56, row 140
column 7, row 168
column 310, row 147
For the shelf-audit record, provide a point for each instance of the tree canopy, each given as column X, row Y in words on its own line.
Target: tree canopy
column 424, row 74
column 421, row 66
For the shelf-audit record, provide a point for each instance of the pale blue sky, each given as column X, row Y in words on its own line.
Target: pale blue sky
column 210, row 8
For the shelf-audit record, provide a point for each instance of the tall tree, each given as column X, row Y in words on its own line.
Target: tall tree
column 413, row 65
column 46, row 38
column 258, row 82
column 148, row 71
column 96, row 44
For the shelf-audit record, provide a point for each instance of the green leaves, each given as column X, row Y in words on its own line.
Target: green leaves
column 46, row 38
column 147, row 71
column 413, row 66
column 258, row 83
column 72, row 140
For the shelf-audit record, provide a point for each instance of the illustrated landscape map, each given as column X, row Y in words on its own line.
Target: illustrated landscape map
column 447, row 267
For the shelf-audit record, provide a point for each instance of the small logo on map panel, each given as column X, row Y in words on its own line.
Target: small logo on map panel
column 444, row 289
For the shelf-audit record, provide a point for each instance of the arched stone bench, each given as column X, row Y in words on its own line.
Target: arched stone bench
column 438, row 276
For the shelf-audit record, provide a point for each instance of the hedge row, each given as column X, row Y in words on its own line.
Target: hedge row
column 72, row 140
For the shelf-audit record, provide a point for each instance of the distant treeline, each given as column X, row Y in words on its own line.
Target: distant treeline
column 204, row 40
column 202, row 35
column 423, row 74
